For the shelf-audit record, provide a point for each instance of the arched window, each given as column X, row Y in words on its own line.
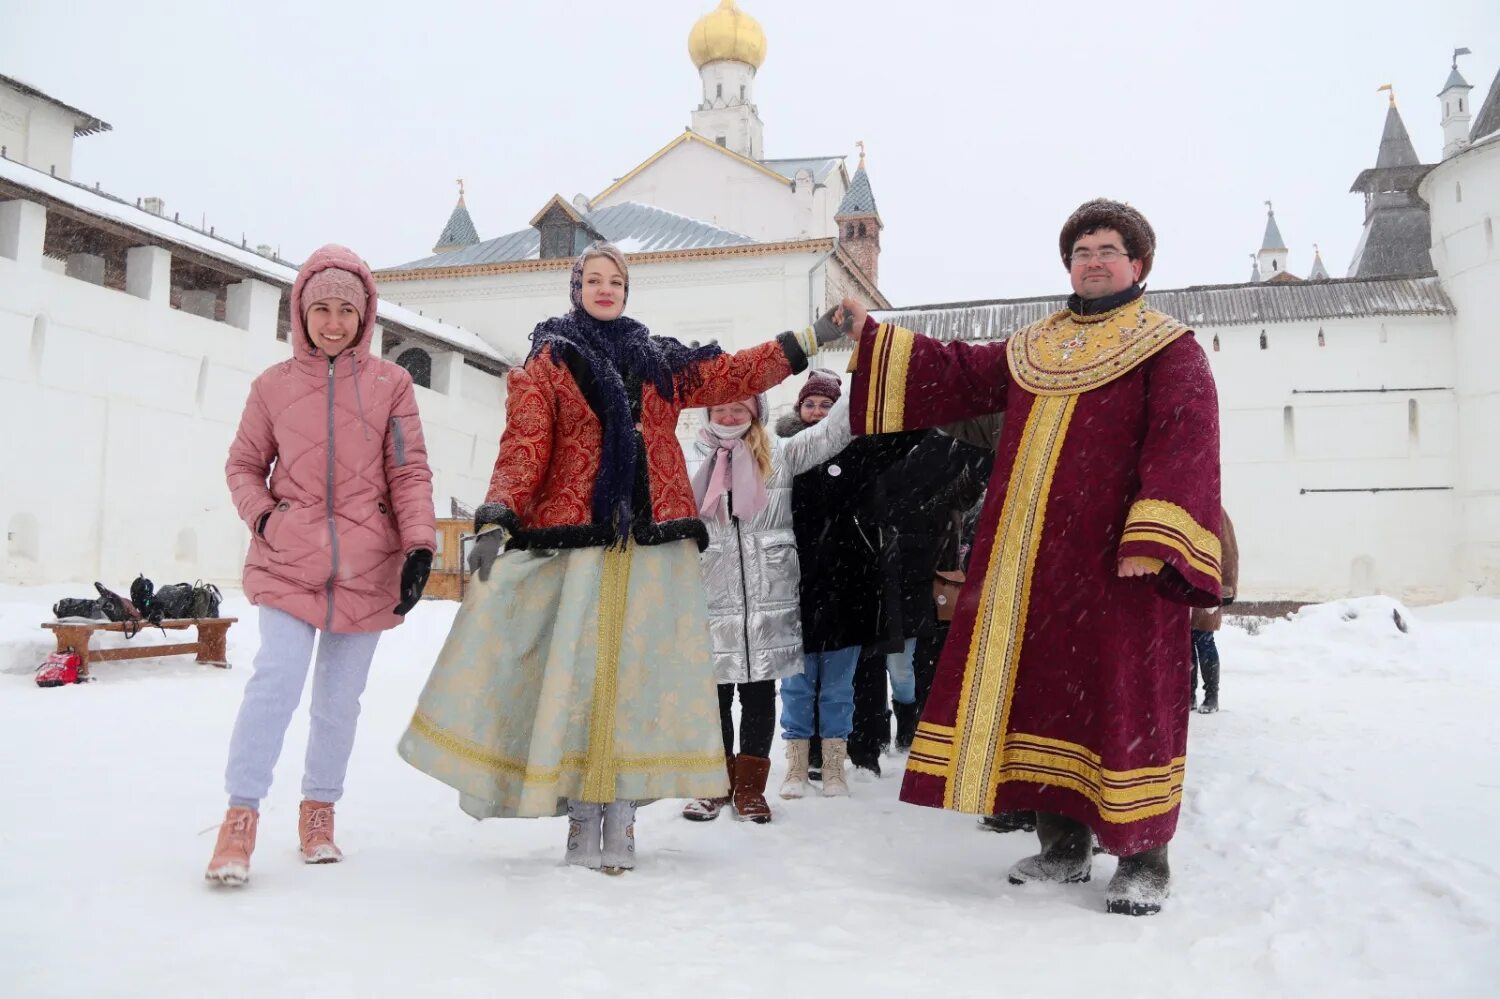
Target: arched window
column 849, row 231
column 1216, row 342
column 861, row 228
column 1263, row 342
column 1321, row 341
column 418, row 364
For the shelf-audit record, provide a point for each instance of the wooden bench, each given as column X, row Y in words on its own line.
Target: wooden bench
column 74, row 634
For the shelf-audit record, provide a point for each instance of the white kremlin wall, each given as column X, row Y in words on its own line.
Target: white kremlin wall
column 1464, row 194
column 119, row 412
column 1299, row 421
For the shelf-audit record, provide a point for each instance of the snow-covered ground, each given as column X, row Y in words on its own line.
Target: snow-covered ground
column 1338, row 838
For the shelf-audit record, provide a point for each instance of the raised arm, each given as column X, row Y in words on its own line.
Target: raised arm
column 816, row 444
column 906, row 381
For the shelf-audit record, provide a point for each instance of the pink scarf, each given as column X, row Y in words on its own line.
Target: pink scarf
column 729, row 468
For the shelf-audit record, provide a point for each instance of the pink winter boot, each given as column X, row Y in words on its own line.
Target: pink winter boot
column 231, row 861
column 315, row 830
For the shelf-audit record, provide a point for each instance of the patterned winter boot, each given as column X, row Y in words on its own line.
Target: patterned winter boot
column 750, row 773
column 315, row 833
column 584, row 849
column 835, row 783
column 619, row 837
column 708, row 809
column 1067, row 853
column 1141, row 884
column 230, row 865
column 795, row 784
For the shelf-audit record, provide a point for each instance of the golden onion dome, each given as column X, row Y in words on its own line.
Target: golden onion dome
column 727, row 33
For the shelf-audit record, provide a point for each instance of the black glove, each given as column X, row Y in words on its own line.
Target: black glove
column 413, row 579
column 485, row 550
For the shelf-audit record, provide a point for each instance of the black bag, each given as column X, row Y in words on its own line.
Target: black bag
column 206, row 597
column 174, row 600
column 141, row 592
column 117, row 608
column 78, row 607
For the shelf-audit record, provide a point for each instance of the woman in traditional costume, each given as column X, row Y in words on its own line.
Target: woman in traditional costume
column 576, row 679
column 743, row 485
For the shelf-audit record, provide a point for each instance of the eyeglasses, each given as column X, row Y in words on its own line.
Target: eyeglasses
column 1105, row 255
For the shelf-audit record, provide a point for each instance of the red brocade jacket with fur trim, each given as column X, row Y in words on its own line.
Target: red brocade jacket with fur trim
column 542, row 487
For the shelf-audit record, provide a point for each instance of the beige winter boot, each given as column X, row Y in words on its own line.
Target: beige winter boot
column 835, row 752
column 231, row 860
column 795, row 784
column 315, row 833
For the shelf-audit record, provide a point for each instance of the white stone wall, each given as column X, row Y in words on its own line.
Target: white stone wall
column 1298, row 419
column 739, row 301
column 119, row 413
column 704, row 184
column 36, row 133
column 1464, row 195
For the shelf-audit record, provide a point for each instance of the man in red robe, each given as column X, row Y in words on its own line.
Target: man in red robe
column 1062, row 686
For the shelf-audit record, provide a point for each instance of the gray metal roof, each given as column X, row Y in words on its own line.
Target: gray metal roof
column 459, row 231
column 1396, row 239
column 821, row 166
column 860, row 200
column 1488, row 119
column 1201, row 307
column 1455, row 79
column 1396, row 149
column 1272, row 240
column 84, row 123
column 634, row 228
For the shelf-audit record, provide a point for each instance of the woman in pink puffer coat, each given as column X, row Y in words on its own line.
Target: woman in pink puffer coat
column 341, row 543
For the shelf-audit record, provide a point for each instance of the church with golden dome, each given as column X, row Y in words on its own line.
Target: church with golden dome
column 724, row 242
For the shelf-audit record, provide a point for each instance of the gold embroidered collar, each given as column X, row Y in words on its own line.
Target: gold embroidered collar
column 1065, row 353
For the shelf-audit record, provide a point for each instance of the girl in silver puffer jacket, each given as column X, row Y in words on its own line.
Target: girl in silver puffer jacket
column 742, row 479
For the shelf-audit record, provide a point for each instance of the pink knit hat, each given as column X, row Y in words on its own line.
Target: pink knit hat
column 820, row 381
column 335, row 282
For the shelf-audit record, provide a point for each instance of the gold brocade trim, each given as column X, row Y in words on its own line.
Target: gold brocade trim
column 1164, row 523
column 885, row 402
column 614, row 583
column 995, row 646
column 1119, row 795
column 1064, row 354
column 570, row 762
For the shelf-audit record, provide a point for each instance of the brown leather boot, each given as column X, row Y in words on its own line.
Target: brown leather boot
column 750, row 773
column 708, row 809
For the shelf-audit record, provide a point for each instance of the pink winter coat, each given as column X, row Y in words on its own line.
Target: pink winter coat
column 350, row 493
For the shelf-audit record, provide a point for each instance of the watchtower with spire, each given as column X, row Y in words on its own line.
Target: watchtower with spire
column 858, row 222
column 1397, row 231
column 460, row 231
column 1271, row 260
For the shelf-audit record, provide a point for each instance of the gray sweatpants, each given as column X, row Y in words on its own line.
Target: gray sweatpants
column 272, row 694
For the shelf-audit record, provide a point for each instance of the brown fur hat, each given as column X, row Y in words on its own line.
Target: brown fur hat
column 1101, row 213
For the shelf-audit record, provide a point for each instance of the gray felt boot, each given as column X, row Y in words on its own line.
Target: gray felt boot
column 1141, row 883
column 583, row 834
column 1067, row 853
column 619, row 837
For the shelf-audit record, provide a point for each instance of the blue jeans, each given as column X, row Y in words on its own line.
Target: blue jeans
column 903, row 674
column 828, row 678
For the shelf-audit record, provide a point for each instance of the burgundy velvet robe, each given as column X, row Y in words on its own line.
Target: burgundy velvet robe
column 1063, row 687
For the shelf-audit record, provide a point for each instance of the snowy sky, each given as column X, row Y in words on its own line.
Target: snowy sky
column 299, row 124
